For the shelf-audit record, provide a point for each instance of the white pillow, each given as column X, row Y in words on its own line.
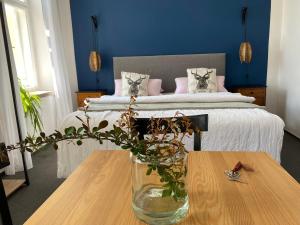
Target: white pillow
column 134, row 84
column 202, row 80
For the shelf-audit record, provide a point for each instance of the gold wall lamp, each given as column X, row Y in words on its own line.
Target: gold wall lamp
column 95, row 58
column 95, row 61
column 245, row 47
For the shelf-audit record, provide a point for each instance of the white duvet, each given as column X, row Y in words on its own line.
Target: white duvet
column 250, row 129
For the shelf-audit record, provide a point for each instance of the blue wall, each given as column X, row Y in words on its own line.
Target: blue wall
column 157, row 27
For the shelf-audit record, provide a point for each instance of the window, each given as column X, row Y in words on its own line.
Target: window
column 19, row 33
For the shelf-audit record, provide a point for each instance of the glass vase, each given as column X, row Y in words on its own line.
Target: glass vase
column 159, row 191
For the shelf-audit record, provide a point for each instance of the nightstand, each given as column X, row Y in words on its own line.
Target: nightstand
column 82, row 95
column 259, row 93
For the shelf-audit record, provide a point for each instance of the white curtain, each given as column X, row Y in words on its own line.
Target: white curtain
column 8, row 121
column 61, row 73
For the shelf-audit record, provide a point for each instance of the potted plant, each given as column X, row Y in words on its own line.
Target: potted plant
column 31, row 105
column 159, row 161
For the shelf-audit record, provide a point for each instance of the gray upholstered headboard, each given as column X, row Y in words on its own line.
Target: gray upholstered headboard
column 168, row 67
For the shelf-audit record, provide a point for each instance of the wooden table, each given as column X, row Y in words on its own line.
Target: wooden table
column 99, row 192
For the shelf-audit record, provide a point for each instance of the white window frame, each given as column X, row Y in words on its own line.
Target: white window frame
column 24, row 5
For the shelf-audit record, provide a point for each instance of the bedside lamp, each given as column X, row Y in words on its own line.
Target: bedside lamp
column 245, row 47
column 94, row 58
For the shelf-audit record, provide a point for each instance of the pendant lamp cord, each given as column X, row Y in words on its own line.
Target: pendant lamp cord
column 245, row 23
column 95, row 31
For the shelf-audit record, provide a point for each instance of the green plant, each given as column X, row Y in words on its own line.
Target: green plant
column 159, row 145
column 31, row 105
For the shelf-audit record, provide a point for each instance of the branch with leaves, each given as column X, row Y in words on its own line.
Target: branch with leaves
column 158, row 147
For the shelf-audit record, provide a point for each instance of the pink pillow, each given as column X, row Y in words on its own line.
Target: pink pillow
column 154, row 87
column 118, row 87
column 220, row 84
column 181, row 85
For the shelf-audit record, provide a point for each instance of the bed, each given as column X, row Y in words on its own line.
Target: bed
column 235, row 124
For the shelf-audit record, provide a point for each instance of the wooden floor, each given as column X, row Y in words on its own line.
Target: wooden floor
column 11, row 185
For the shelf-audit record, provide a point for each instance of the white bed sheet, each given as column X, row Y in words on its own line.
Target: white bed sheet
column 229, row 129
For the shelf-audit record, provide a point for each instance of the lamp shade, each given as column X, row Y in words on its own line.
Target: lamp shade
column 245, row 52
column 95, row 61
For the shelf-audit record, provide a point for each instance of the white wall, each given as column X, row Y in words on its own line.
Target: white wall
column 284, row 65
column 274, row 55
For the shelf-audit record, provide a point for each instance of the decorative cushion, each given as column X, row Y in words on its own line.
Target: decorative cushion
column 118, row 87
column 202, row 80
column 154, row 87
column 181, row 85
column 134, row 84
